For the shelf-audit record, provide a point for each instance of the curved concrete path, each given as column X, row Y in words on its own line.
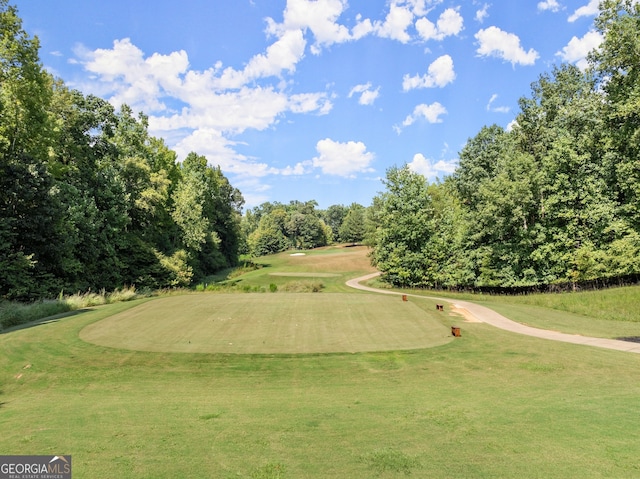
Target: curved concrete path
column 486, row 315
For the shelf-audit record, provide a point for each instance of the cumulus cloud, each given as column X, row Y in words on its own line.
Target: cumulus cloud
column 342, row 159
column 430, row 113
column 496, row 109
column 498, row 43
column 395, row 25
column 482, row 13
column 577, row 49
column 589, row 10
column 220, row 151
column 318, row 16
column 127, row 77
column 430, row 169
column 202, row 110
column 449, row 23
column 282, row 55
column 367, row 95
column 439, row 74
column 551, row 5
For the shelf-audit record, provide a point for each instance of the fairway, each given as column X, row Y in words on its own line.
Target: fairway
column 272, row 324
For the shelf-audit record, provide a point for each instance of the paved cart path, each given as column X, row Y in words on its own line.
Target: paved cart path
column 486, row 315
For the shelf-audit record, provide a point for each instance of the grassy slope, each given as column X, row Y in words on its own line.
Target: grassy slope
column 343, row 263
column 609, row 313
column 487, row 405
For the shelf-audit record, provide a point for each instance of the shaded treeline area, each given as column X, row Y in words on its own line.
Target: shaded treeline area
column 555, row 200
column 275, row 227
column 88, row 199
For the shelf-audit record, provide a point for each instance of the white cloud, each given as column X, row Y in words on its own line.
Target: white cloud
column 282, row 55
column 202, row 110
column 310, row 102
column 496, row 109
column 300, row 168
column 342, row 159
column 577, row 49
column 319, row 16
column 219, row 151
column 395, row 26
column 501, row 44
column 449, row 23
column 589, row 10
column 367, row 95
column 431, row 113
column 362, row 28
column 230, row 112
column 127, row 77
column 427, row 168
column 482, row 13
column 439, row 74
column 551, row 5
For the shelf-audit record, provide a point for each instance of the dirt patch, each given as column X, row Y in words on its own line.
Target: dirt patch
column 346, row 260
column 459, row 311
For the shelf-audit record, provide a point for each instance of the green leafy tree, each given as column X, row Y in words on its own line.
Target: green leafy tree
column 333, row 217
column 617, row 63
column 352, row 229
column 404, row 219
column 29, row 213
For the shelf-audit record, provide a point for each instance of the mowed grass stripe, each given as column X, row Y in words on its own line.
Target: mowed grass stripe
column 301, row 323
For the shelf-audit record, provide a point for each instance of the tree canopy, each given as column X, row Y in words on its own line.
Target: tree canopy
column 88, row 199
column 553, row 200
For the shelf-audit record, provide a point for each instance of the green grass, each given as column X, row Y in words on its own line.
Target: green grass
column 490, row 404
column 607, row 313
column 273, row 323
column 331, row 267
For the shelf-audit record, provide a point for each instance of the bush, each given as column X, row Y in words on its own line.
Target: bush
column 273, row 287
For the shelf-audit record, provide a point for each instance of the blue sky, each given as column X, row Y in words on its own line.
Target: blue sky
column 313, row 99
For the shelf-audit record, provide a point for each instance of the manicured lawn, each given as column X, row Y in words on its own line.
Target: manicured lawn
column 280, row 323
column 489, row 404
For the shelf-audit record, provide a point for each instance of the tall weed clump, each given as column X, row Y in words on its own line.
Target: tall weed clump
column 13, row 313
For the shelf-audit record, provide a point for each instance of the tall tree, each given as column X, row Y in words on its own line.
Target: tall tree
column 29, row 216
column 404, row 227
column 352, row 229
column 617, row 62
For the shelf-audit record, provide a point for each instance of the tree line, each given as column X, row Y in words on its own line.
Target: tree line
column 556, row 199
column 88, row 199
column 275, row 227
